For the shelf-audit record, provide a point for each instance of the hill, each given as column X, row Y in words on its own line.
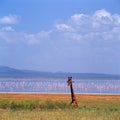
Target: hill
column 11, row 72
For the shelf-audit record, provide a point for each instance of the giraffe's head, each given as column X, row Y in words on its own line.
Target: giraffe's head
column 69, row 81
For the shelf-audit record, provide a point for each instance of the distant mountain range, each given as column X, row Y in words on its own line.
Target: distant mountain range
column 9, row 72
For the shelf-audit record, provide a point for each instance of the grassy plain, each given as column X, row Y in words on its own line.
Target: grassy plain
column 57, row 107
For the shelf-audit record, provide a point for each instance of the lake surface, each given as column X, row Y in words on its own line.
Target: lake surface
column 59, row 85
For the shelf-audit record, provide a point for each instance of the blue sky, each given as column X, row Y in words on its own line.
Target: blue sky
column 61, row 35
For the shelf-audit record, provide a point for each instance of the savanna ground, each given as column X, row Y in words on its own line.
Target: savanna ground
column 57, row 107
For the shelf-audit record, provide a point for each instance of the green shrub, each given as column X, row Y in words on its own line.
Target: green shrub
column 4, row 104
column 33, row 104
column 27, row 104
column 48, row 105
column 54, row 105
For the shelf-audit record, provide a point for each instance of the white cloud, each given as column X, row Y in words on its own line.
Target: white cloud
column 10, row 36
column 64, row 27
column 7, row 28
column 77, row 18
column 86, row 28
column 37, row 38
column 102, row 13
column 10, row 19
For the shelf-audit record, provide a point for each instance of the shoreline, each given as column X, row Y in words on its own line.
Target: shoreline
column 47, row 93
column 52, row 93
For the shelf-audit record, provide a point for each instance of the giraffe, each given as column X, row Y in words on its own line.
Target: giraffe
column 74, row 101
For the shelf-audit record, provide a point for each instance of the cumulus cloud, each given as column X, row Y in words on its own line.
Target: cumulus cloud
column 102, row 13
column 101, row 26
column 64, row 27
column 10, row 19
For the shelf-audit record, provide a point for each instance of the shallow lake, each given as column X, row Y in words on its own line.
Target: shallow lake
column 59, row 85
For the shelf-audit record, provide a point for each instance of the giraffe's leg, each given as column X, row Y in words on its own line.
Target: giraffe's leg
column 74, row 103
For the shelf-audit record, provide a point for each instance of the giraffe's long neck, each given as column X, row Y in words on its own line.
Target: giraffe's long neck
column 72, row 93
column 74, row 101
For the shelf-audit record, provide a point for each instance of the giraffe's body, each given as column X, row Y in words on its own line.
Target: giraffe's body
column 74, row 101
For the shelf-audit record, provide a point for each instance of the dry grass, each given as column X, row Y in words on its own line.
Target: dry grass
column 72, row 114
column 91, row 107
